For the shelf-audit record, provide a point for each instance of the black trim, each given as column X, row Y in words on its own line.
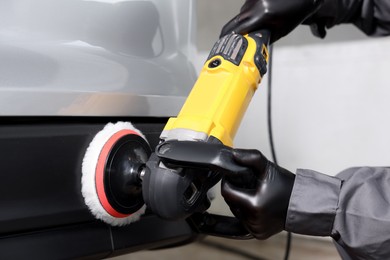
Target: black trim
column 43, row 215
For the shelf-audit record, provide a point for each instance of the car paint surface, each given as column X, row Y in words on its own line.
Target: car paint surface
column 95, row 58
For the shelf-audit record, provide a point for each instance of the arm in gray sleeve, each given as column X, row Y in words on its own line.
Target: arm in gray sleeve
column 370, row 16
column 353, row 208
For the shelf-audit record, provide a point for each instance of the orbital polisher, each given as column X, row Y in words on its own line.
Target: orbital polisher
column 120, row 173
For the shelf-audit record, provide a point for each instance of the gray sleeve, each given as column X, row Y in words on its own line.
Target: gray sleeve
column 313, row 203
column 373, row 18
column 353, row 208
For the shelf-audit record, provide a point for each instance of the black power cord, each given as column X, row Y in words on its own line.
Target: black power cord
column 231, row 250
column 270, row 134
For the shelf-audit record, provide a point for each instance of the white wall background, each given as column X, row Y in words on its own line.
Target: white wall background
column 331, row 98
column 332, row 105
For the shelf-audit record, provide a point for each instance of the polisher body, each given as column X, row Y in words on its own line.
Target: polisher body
column 211, row 114
column 223, row 91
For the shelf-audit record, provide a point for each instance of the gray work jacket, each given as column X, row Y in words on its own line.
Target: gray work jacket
column 353, row 208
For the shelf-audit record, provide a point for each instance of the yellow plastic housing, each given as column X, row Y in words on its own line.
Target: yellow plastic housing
column 220, row 97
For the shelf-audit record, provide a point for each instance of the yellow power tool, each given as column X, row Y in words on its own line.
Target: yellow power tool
column 223, row 90
column 195, row 147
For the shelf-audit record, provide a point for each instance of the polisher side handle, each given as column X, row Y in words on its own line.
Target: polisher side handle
column 206, row 156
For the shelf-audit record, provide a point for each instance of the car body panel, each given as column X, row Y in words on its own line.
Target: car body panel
column 67, row 68
column 95, row 58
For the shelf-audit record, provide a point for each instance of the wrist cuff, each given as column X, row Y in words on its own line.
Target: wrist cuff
column 313, row 203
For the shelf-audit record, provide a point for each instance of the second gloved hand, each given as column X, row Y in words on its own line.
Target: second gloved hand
column 278, row 16
column 261, row 205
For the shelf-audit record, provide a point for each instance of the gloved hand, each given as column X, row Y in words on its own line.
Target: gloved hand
column 278, row 16
column 281, row 17
column 263, row 206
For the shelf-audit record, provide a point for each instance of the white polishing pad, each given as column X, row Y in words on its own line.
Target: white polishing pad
column 89, row 170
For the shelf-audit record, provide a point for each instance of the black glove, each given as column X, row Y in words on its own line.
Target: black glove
column 282, row 16
column 261, row 205
column 334, row 12
column 278, row 16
